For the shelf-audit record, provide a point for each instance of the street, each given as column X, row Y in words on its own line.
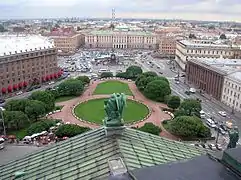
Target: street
column 208, row 106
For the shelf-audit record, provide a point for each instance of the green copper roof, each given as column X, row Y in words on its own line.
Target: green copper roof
column 131, row 33
column 86, row 156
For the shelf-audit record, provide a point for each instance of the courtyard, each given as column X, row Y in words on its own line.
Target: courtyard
column 132, row 116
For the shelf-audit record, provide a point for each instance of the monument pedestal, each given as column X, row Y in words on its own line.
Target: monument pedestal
column 110, row 131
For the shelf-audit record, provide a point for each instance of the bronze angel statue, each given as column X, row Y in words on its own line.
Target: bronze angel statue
column 114, row 107
column 233, row 138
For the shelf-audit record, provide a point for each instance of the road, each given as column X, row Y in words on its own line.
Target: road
column 208, row 106
column 27, row 94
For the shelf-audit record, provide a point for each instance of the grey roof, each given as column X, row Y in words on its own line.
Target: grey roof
column 235, row 153
column 86, row 156
column 199, row 168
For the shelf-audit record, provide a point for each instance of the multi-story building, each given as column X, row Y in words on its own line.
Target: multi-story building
column 198, row 49
column 167, row 44
column 219, row 78
column 121, row 39
column 231, row 94
column 205, row 77
column 25, row 60
column 66, row 40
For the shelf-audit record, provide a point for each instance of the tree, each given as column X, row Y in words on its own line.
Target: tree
column 35, row 109
column 122, row 75
column 191, row 107
column 15, row 120
column 42, row 125
column 174, row 102
column 189, row 126
column 106, row 74
column 143, row 79
column 150, row 128
column 85, row 79
column 133, row 72
column 16, row 105
column 70, row 130
column 222, row 36
column 157, row 90
column 46, row 97
column 71, row 87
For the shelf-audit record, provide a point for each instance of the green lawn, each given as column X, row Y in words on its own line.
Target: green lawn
column 110, row 87
column 93, row 111
column 64, row 98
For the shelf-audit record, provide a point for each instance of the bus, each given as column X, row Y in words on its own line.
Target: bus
column 211, row 123
column 2, row 143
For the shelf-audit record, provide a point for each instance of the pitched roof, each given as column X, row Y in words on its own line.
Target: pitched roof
column 86, row 156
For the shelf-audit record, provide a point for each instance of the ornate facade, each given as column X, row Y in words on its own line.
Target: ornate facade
column 121, row 40
column 28, row 61
column 199, row 49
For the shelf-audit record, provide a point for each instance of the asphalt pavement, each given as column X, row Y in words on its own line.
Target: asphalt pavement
column 210, row 107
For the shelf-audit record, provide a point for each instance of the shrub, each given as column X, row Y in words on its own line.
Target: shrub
column 150, row 128
column 42, row 125
column 70, row 130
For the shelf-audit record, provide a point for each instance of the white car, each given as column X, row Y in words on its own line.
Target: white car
column 19, row 93
column 212, row 146
column 222, row 113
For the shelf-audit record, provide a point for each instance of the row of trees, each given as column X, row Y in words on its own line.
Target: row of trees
column 20, row 113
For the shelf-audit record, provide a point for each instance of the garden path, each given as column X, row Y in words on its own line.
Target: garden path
column 156, row 117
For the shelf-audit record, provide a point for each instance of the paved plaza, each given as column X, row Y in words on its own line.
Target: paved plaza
column 156, row 116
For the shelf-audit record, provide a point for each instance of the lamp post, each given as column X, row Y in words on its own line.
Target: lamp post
column 2, row 118
column 218, row 131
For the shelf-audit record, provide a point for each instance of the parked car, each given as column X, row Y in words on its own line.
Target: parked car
column 19, row 93
column 2, row 101
column 222, row 113
column 212, row 146
column 219, row 147
column 187, row 93
column 223, row 127
column 221, row 131
column 203, row 145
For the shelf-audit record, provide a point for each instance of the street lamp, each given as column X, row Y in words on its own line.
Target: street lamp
column 2, row 118
column 218, row 131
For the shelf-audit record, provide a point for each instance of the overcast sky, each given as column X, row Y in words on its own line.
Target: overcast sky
column 168, row 9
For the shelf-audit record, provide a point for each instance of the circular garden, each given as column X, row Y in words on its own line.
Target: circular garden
column 93, row 111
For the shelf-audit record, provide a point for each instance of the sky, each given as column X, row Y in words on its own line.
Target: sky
column 221, row 10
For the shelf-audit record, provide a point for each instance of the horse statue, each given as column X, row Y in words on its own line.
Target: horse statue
column 114, row 107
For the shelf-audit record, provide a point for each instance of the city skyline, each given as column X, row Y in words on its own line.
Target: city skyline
column 220, row 10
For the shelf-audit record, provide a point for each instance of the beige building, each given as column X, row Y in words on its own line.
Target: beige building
column 25, row 60
column 121, row 39
column 198, row 49
column 231, row 94
column 167, row 44
column 66, row 40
